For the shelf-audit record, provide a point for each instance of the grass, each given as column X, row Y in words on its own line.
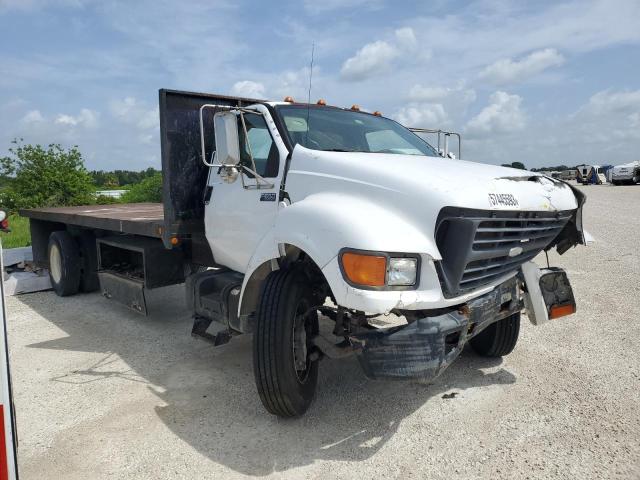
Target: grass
column 20, row 236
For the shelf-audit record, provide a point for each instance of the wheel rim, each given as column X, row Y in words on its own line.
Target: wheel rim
column 302, row 334
column 55, row 263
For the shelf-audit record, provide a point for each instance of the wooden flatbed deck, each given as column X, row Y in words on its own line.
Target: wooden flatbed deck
column 145, row 219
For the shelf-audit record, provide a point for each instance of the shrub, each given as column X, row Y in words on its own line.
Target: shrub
column 45, row 177
column 148, row 190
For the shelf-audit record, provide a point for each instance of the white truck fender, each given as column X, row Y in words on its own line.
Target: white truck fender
column 324, row 223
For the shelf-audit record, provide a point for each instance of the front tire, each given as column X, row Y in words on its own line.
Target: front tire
column 65, row 264
column 499, row 338
column 286, row 372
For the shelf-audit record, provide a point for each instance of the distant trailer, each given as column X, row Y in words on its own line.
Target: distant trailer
column 590, row 175
column 628, row 173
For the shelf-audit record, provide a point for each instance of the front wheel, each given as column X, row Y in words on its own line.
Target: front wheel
column 499, row 338
column 284, row 359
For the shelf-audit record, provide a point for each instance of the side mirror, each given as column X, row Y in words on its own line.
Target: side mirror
column 227, row 140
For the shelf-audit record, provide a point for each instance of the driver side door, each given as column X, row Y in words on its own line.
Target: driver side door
column 239, row 214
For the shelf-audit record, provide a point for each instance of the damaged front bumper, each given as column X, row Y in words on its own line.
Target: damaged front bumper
column 425, row 347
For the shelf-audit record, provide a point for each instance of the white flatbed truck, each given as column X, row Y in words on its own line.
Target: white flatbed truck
column 298, row 210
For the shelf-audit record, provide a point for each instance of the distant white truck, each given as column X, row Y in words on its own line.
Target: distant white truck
column 627, row 173
column 300, row 210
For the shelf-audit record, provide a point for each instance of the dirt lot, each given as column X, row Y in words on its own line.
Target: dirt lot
column 104, row 393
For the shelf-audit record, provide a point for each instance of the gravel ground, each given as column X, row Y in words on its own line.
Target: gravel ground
column 103, row 393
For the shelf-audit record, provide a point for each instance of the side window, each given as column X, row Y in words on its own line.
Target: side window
column 264, row 150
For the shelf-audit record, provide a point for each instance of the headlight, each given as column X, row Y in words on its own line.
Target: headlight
column 402, row 271
column 378, row 270
column 3, row 215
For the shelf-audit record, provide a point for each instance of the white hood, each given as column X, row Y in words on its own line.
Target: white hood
column 431, row 181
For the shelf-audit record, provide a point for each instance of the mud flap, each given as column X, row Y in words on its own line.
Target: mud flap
column 128, row 291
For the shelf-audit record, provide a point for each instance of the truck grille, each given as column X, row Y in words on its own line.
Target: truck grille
column 479, row 246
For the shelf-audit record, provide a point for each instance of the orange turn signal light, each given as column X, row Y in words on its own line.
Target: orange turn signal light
column 377, row 113
column 557, row 311
column 355, row 108
column 321, row 102
column 174, row 241
column 288, row 99
column 362, row 269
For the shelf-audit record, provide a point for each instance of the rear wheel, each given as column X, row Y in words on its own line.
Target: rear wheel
column 64, row 263
column 284, row 359
column 499, row 338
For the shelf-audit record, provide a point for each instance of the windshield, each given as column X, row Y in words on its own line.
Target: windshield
column 336, row 130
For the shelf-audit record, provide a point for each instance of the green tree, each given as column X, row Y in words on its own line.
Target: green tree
column 111, row 181
column 148, row 190
column 45, row 177
column 519, row 165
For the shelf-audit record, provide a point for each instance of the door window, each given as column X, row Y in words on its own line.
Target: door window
column 263, row 148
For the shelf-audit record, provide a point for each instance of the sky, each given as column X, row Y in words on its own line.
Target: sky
column 535, row 82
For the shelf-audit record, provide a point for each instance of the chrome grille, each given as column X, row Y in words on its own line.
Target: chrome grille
column 479, row 246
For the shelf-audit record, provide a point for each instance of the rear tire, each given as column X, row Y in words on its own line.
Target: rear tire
column 64, row 263
column 285, row 374
column 499, row 338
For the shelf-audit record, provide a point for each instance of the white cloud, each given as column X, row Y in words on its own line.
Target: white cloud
column 129, row 111
column 503, row 114
column 608, row 117
column 248, row 88
column 122, row 108
column 377, row 57
column 426, row 115
column 609, row 101
column 86, row 118
column 507, row 71
column 32, row 116
column 373, row 58
column 406, row 38
column 420, row 93
column 149, row 119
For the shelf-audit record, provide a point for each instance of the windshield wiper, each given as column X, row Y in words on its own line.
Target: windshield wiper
column 337, row 150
